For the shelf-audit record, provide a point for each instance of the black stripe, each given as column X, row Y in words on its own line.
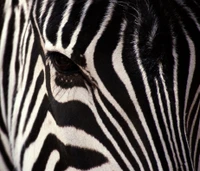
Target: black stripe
column 2, row 124
column 55, row 20
column 2, row 15
column 198, row 156
column 75, row 157
column 95, row 14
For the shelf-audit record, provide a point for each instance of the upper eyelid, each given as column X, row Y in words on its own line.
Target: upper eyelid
column 62, row 63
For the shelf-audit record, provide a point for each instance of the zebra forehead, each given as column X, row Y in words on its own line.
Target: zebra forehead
column 69, row 22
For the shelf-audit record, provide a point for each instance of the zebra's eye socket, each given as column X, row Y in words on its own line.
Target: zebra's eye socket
column 63, row 64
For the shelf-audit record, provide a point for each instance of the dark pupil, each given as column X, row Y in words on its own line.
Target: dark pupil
column 63, row 64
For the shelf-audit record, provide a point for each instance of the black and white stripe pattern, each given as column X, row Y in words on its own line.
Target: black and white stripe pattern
column 100, row 85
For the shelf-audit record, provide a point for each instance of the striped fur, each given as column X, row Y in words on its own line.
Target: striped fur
column 134, row 104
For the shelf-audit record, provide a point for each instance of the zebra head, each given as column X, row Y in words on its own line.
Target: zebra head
column 99, row 85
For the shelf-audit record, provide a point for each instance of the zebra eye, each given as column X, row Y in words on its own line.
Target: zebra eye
column 63, row 64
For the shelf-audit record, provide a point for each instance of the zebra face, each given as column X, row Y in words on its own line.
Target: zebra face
column 99, row 85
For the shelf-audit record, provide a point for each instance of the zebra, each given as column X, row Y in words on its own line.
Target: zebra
column 100, row 85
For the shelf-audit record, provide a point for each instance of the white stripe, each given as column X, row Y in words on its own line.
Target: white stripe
column 23, row 47
column 23, row 36
column 36, row 25
column 3, row 41
column 192, row 66
column 3, row 163
column 26, row 8
column 65, row 18
column 7, row 5
column 6, row 145
column 52, row 160
column 74, row 37
column 12, row 74
column 175, row 82
column 46, row 22
column 43, row 9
